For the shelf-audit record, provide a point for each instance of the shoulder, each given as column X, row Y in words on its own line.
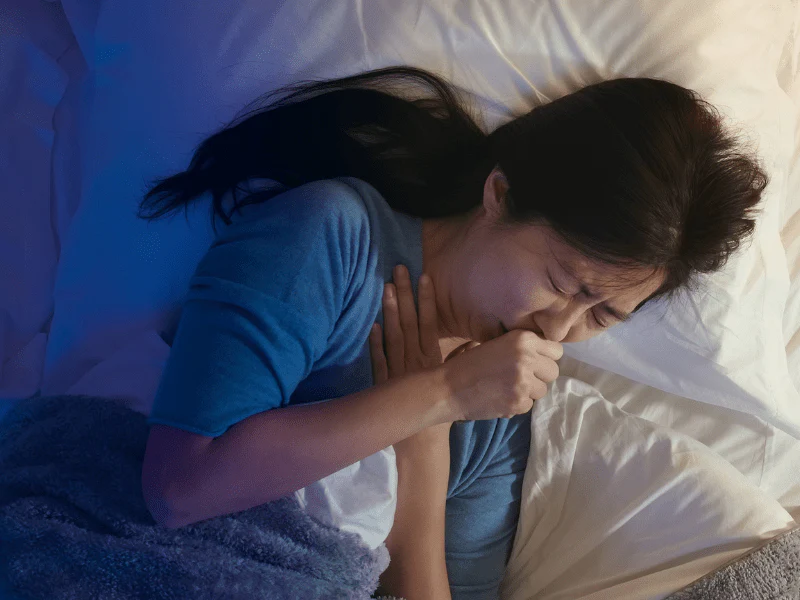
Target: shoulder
column 323, row 222
column 314, row 201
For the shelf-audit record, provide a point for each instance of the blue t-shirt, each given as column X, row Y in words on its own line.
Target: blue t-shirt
column 280, row 308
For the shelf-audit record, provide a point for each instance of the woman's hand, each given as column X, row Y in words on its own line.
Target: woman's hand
column 411, row 344
column 502, row 377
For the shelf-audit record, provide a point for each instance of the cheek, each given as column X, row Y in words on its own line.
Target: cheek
column 529, row 297
column 579, row 333
column 486, row 286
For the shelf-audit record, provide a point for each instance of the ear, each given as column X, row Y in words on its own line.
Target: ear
column 494, row 194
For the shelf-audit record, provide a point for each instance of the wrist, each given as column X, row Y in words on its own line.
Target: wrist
column 443, row 403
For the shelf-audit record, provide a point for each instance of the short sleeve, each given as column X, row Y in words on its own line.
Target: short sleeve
column 261, row 307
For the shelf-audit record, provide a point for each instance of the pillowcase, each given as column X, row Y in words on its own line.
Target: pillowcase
column 166, row 76
column 615, row 507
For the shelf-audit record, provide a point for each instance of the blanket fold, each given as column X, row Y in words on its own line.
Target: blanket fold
column 74, row 525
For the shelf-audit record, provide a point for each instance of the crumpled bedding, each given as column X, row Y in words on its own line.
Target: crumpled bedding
column 73, row 523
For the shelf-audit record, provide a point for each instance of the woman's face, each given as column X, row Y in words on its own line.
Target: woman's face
column 526, row 277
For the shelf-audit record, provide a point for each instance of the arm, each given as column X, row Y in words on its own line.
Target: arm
column 417, row 569
column 258, row 316
column 276, row 452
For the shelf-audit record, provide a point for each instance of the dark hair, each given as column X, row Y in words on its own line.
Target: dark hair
column 630, row 171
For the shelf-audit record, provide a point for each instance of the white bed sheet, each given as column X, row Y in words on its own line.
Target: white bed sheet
column 41, row 76
column 32, row 37
column 789, row 80
column 790, row 236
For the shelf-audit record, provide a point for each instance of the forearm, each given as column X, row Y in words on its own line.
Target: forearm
column 416, row 543
column 277, row 452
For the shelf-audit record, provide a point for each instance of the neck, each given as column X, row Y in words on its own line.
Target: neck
column 440, row 238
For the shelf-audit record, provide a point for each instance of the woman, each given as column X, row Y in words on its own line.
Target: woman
column 553, row 228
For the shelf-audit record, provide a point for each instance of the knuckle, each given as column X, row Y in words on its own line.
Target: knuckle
column 521, row 388
column 520, row 379
column 524, row 341
column 551, row 371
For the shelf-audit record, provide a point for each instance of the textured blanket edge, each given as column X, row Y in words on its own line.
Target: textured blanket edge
column 73, row 523
column 769, row 572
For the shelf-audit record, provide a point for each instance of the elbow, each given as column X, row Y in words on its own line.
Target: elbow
column 163, row 478
column 162, row 503
column 163, row 499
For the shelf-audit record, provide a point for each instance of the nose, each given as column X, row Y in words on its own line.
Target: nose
column 556, row 323
column 554, row 332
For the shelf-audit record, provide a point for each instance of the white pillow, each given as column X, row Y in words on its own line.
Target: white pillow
column 762, row 453
column 169, row 74
column 615, row 507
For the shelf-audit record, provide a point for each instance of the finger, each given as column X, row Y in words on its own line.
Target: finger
column 546, row 370
column 428, row 322
column 553, row 350
column 538, row 390
column 408, row 312
column 380, row 370
column 395, row 349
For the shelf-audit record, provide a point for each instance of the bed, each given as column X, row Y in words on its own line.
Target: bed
column 668, row 448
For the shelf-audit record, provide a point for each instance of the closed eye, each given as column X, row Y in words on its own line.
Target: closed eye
column 554, row 286
column 599, row 322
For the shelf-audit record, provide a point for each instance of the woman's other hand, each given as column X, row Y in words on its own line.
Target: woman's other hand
column 409, row 343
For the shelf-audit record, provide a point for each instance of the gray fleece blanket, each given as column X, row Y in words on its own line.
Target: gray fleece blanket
column 74, row 525
column 769, row 572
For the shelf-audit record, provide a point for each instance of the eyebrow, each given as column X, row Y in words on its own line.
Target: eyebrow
column 617, row 314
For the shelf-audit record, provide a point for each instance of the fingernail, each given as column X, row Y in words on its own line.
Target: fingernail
column 424, row 281
column 400, row 271
column 374, row 329
column 389, row 291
